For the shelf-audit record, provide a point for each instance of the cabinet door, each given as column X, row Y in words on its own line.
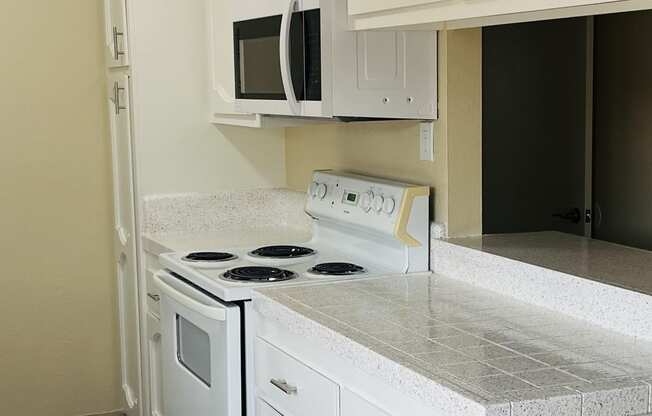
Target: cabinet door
column 125, row 238
column 263, row 409
column 115, row 20
column 390, row 74
column 354, row 405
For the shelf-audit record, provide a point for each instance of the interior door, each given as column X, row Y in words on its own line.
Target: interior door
column 125, row 239
column 623, row 129
column 115, row 20
column 200, row 352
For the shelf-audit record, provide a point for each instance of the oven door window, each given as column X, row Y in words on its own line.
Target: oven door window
column 257, row 60
column 194, row 350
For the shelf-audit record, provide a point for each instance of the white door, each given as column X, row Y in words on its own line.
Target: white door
column 124, row 238
column 200, row 352
column 115, row 20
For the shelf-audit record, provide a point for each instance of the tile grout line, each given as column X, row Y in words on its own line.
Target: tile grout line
column 469, row 331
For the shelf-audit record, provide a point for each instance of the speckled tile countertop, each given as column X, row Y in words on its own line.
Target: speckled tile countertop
column 185, row 222
column 550, row 271
column 614, row 264
column 451, row 344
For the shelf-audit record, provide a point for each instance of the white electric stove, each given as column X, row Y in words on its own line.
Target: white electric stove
column 362, row 227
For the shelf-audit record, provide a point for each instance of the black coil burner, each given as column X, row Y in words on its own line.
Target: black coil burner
column 337, row 269
column 209, row 257
column 282, row 252
column 258, row 274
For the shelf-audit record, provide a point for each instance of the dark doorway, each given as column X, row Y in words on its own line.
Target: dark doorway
column 534, row 112
column 622, row 187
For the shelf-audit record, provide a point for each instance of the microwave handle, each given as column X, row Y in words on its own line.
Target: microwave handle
column 165, row 284
column 284, row 48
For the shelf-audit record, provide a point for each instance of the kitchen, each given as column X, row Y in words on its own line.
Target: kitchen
column 462, row 119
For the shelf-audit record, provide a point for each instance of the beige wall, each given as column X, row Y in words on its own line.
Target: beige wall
column 392, row 149
column 171, row 111
column 58, row 346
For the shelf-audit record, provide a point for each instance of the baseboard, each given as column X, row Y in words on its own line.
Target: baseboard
column 112, row 413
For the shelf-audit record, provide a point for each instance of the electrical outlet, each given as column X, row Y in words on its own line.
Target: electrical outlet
column 427, row 141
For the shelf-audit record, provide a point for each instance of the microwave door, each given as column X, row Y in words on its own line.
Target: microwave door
column 269, row 52
column 257, row 64
column 200, row 352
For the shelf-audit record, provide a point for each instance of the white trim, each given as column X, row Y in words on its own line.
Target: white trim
column 131, row 401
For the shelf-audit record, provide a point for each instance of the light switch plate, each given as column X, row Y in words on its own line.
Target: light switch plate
column 426, row 141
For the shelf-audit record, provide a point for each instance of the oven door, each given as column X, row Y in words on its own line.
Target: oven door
column 278, row 68
column 200, row 351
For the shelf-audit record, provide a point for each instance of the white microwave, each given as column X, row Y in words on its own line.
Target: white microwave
column 299, row 58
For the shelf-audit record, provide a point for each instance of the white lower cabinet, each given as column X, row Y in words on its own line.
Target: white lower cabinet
column 291, row 387
column 285, row 386
column 354, row 405
column 297, row 375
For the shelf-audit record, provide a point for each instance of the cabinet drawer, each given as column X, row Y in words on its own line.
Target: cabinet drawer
column 292, row 387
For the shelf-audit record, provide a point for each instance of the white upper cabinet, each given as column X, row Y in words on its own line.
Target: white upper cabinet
column 115, row 12
column 372, row 14
column 385, row 74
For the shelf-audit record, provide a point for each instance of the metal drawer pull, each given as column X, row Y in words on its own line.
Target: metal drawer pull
column 154, row 297
column 284, row 386
column 117, row 53
column 117, row 90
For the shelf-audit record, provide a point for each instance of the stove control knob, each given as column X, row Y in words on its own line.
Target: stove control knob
column 389, row 205
column 379, row 201
column 313, row 189
column 322, row 189
column 365, row 201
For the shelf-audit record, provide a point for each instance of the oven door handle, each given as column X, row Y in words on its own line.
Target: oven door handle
column 167, row 287
column 284, row 49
